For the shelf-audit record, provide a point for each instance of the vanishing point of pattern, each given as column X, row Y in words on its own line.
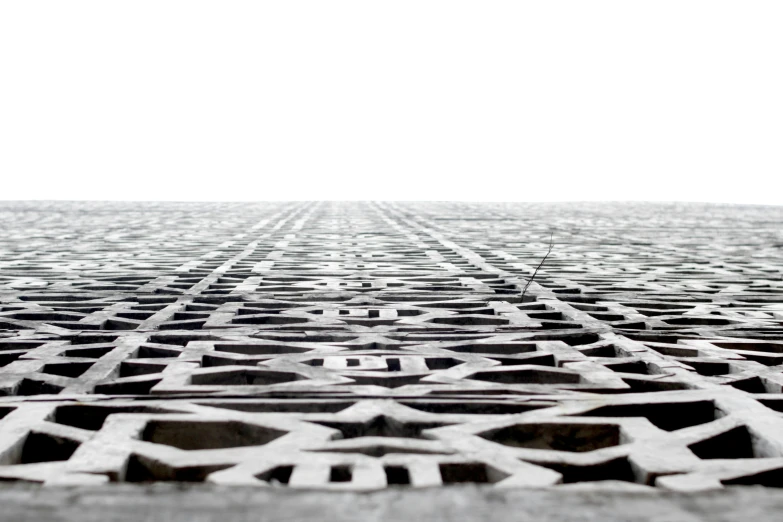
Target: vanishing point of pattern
column 359, row 346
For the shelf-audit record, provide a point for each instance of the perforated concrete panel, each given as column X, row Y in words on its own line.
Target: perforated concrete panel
column 359, row 346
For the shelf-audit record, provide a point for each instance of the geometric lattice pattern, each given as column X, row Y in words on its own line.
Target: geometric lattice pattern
column 357, row 346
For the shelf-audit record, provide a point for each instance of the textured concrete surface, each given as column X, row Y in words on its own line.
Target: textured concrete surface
column 359, row 346
column 457, row 503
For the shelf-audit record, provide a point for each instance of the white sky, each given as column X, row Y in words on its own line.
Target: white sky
column 413, row 100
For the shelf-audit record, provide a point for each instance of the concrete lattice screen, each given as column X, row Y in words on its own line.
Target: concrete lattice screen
column 356, row 346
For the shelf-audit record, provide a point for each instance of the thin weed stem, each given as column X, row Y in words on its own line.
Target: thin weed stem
column 551, row 244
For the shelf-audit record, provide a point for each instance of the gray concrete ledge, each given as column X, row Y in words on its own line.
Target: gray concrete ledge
column 200, row 502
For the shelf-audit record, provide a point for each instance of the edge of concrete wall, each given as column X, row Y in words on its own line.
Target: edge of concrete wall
column 175, row 502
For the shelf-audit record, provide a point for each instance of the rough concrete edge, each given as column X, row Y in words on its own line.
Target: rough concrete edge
column 123, row 502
